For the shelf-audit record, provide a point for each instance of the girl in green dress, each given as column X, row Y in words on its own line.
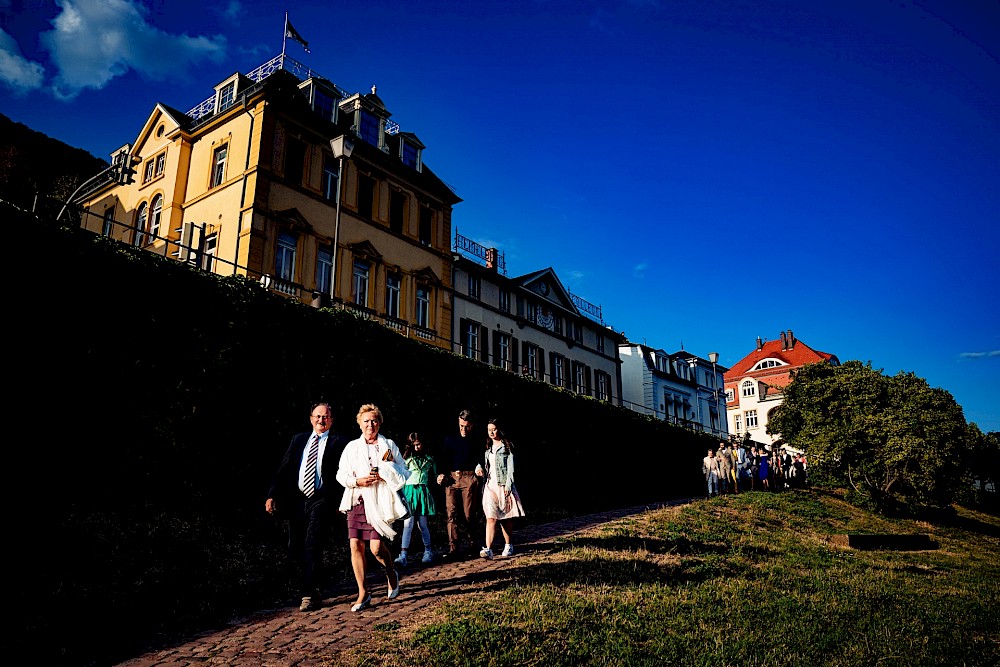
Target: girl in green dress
column 419, row 498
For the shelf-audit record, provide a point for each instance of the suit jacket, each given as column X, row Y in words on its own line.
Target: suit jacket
column 285, row 484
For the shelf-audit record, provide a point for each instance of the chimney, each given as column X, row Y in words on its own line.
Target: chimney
column 784, row 341
column 760, row 343
column 491, row 258
column 791, row 340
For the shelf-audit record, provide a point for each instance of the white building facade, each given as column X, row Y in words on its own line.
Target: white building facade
column 681, row 388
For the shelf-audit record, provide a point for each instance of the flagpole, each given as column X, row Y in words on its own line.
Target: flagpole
column 284, row 38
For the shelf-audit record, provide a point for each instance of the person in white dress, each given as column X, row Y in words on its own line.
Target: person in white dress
column 501, row 502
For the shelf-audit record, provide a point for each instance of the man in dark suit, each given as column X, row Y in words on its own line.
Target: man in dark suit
column 304, row 492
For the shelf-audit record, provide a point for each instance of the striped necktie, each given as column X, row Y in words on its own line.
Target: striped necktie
column 311, row 466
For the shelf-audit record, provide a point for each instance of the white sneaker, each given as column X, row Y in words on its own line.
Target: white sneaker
column 401, row 560
column 486, row 553
column 508, row 550
column 428, row 556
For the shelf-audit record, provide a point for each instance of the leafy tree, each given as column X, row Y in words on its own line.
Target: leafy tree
column 984, row 460
column 894, row 441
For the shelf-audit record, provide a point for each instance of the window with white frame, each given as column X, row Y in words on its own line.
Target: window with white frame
column 324, row 270
column 600, row 342
column 503, row 356
column 161, row 164
column 359, row 286
column 227, row 96
column 392, row 283
column 751, row 418
column 475, row 286
column 504, row 300
column 532, row 355
column 577, row 332
column 219, row 165
column 581, row 379
column 737, row 422
column 423, row 306
column 470, row 339
column 208, row 251
column 730, row 395
column 284, row 256
column 331, row 172
column 768, row 363
column 602, row 385
column 154, row 218
column 147, row 172
column 558, row 370
column 139, row 239
column 749, row 388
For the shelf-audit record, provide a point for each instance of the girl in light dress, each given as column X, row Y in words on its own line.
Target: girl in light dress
column 419, row 498
column 501, row 502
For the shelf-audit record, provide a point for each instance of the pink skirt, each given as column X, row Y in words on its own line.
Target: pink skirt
column 498, row 505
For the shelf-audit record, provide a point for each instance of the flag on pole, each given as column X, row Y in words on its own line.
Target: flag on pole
column 294, row 34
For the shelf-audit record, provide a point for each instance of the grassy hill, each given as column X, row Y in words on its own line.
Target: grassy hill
column 751, row 579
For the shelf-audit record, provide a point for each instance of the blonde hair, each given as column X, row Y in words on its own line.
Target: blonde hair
column 369, row 407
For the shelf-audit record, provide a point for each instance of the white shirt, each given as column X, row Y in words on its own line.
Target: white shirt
column 319, row 467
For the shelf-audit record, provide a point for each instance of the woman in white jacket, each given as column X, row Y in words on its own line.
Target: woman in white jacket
column 372, row 472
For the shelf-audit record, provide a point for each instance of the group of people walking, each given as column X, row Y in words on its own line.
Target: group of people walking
column 383, row 486
column 740, row 467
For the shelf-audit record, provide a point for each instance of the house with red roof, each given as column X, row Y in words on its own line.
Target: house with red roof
column 755, row 384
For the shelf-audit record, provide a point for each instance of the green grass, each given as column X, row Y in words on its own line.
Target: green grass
column 739, row 580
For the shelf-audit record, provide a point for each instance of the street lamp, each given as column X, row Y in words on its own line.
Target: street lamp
column 714, row 357
column 342, row 147
column 693, row 364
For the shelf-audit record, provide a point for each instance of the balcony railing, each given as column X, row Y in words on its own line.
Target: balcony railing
column 257, row 75
column 486, row 255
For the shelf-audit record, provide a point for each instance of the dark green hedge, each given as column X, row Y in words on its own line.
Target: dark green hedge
column 152, row 402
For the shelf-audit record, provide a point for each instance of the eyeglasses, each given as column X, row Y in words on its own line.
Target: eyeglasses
column 321, row 417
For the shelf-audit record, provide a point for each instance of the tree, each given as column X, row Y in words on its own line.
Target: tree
column 895, row 441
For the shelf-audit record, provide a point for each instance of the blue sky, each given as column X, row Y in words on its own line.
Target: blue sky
column 707, row 172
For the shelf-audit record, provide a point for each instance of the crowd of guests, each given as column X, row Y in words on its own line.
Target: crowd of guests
column 744, row 467
column 382, row 489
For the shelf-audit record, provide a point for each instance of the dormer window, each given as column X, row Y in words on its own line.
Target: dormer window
column 369, row 129
column 227, row 95
column 410, row 154
column 323, row 98
column 768, row 363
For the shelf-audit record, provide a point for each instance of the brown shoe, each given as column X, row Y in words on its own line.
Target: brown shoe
column 309, row 604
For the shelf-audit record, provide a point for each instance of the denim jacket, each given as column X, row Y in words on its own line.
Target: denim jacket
column 504, row 467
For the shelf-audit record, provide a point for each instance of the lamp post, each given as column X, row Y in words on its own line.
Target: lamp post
column 693, row 364
column 714, row 357
column 342, row 147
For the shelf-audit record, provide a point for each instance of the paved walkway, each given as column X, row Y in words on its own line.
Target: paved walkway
column 287, row 637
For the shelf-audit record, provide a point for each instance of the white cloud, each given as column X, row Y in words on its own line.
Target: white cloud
column 979, row 355
column 639, row 270
column 94, row 41
column 17, row 72
column 232, row 11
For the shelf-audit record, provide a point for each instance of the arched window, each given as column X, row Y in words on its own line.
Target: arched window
column 749, row 388
column 154, row 218
column 140, row 225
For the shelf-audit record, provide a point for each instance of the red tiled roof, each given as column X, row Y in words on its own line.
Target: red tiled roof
column 798, row 355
